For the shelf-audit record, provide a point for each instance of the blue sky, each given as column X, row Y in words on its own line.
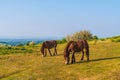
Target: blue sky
column 58, row 18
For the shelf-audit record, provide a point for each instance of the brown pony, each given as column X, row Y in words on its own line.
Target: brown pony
column 76, row 46
column 48, row 45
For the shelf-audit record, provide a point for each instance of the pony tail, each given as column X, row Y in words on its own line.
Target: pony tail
column 55, row 43
column 86, row 46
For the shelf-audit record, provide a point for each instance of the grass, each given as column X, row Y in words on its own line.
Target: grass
column 104, row 64
column 14, row 50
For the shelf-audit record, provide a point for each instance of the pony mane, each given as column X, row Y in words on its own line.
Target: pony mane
column 67, row 46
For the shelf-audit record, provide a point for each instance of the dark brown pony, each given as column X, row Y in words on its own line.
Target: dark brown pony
column 48, row 45
column 76, row 46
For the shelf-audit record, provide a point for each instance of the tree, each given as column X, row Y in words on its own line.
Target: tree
column 61, row 41
column 95, row 38
column 84, row 34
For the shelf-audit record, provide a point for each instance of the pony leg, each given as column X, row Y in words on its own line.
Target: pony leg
column 73, row 58
column 87, row 54
column 55, row 51
column 82, row 55
column 45, row 53
column 87, row 57
column 49, row 52
column 67, row 60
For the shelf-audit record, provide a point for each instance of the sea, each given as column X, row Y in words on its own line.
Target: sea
column 14, row 42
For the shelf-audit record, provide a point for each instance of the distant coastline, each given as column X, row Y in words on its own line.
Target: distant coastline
column 14, row 42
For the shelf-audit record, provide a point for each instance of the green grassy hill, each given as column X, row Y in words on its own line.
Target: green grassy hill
column 104, row 64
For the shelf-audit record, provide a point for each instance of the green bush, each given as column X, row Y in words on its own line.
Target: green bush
column 95, row 37
column 20, row 44
column 102, row 39
column 61, row 41
column 27, row 44
column 22, row 48
column 9, row 47
column 115, row 40
column 115, row 37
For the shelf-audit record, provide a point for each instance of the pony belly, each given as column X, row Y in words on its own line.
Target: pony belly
column 77, row 50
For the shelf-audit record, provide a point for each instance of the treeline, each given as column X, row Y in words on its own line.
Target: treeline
column 87, row 35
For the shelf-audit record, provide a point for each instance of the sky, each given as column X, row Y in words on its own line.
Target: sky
column 58, row 18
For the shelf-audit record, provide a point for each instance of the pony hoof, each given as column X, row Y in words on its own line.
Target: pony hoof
column 43, row 56
column 81, row 59
column 66, row 63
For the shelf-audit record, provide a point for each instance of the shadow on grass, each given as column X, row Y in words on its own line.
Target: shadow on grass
column 99, row 59
column 48, row 55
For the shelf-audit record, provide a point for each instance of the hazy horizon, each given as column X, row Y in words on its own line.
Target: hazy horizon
column 58, row 18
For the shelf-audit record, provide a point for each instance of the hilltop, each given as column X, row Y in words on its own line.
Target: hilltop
column 104, row 64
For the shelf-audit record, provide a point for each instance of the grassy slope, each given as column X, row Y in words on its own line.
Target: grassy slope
column 104, row 65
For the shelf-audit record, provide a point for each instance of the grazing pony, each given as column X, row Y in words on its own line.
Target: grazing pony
column 48, row 45
column 76, row 46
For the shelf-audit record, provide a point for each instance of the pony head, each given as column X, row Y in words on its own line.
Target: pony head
column 67, row 59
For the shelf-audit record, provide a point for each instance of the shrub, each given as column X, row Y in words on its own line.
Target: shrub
column 32, row 43
column 115, row 37
column 115, row 40
column 84, row 34
column 23, row 48
column 9, row 47
column 95, row 37
column 20, row 44
column 102, row 39
column 61, row 41
column 27, row 44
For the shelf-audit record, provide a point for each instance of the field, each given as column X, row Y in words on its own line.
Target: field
column 104, row 64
